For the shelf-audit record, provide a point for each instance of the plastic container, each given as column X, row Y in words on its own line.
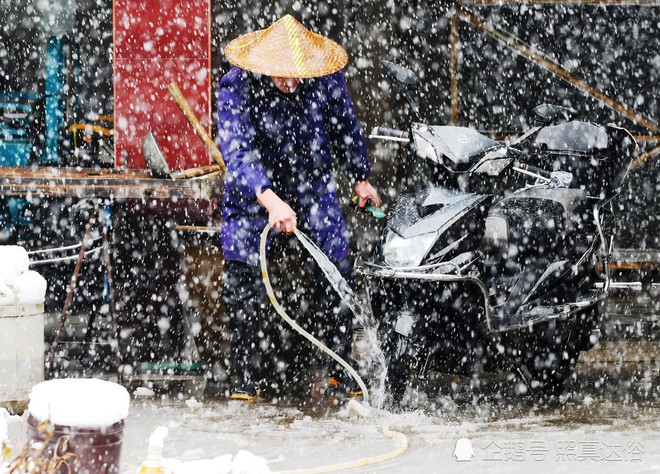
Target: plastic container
column 97, row 449
column 21, row 356
column 22, row 294
column 90, row 413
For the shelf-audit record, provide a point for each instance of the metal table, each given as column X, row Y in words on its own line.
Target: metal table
column 101, row 183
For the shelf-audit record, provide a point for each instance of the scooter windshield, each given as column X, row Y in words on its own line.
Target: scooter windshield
column 457, row 148
column 430, row 210
column 574, row 136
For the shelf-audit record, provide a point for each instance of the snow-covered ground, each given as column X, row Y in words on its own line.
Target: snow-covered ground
column 581, row 435
column 609, row 423
column 603, row 426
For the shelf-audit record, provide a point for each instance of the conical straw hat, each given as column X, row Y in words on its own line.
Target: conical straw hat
column 286, row 49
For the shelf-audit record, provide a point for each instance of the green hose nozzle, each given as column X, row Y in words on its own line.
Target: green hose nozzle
column 368, row 208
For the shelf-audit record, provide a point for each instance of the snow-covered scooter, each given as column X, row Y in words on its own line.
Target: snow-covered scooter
column 488, row 263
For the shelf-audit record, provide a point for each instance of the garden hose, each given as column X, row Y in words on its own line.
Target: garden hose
column 403, row 445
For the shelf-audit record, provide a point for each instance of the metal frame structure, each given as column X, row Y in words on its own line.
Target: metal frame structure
column 461, row 12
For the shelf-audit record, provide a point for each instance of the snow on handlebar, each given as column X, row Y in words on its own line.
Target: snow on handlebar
column 386, row 133
column 533, row 171
column 554, row 179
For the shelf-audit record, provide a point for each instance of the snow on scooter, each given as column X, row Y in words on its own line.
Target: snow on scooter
column 489, row 263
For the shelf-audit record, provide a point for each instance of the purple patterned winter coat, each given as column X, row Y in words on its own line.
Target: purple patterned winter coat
column 286, row 142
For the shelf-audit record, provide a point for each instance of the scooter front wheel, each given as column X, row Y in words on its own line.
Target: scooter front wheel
column 398, row 368
column 550, row 375
column 557, row 350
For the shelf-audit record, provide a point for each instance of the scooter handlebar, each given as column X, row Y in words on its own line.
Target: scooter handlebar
column 533, row 169
column 390, row 132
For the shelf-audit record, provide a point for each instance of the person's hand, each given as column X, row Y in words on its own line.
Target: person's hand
column 365, row 192
column 280, row 214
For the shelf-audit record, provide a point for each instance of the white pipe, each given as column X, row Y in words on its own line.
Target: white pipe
column 60, row 249
column 403, row 445
column 63, row 259
column 402, row 439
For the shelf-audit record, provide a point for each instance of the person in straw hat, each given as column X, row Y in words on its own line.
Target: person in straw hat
column 284, row 114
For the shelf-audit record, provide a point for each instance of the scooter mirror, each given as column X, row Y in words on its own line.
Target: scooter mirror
column 406, row 80
column 400, row 74
column 548, row 114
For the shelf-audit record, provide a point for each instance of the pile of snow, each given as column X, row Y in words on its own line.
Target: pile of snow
column 143, row 392
column 193, row 403
column 243, row 463
column 19, row 284
column 83, row 403
column 357, row 409
column 157, row 439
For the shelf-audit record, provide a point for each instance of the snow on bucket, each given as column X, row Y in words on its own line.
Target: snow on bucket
column 81, row 422
column 22, row 295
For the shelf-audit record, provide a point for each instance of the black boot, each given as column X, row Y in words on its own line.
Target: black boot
column 242, row 296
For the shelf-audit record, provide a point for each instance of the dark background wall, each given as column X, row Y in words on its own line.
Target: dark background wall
column 613, row 48
column 26, row 26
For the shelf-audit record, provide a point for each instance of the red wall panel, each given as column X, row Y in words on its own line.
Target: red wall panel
column 157, row 42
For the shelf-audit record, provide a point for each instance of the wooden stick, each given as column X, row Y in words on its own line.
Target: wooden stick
column 213, row 174
column 515, row 44
column 202, row 170
column 69, row 299
column 645, row 157
column 198, row 228
column 183, row 104
column 111, row 295
column 193, row 172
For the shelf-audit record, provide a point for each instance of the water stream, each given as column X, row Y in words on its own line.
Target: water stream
column 376, row 365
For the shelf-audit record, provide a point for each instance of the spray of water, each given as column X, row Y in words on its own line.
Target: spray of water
column 376, row 365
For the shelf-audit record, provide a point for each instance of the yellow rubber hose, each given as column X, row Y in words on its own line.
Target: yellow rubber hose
column 403, row 445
